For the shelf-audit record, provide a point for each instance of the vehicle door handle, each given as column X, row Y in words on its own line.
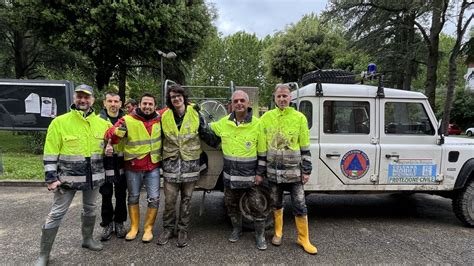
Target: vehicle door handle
column 395, row 156
column 330, row 155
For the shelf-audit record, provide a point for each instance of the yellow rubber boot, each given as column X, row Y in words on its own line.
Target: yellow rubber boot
column 278, row 217
column 149, row 223
column 303, row 235
column 134, row 213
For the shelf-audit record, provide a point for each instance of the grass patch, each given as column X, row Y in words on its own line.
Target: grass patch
column 18, row 162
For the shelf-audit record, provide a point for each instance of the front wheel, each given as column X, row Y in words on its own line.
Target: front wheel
column 463, row 204
column 469, row 134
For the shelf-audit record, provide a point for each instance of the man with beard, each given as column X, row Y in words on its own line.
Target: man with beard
column 243, row 146
column 183, row 128
column 73, row 160
column 288, row 163
column 112, row 220
column 141, row 133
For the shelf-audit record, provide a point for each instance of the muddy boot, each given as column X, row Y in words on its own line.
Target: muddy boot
column 165, row 236
column 236, row 228
column 260, row 235
column 47, row 240
column 107, row 232
column 278, row 229
column 88, row 241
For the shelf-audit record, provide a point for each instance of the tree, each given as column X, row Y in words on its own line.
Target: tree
column 236, row 58
column 123, row 34
column 438, row 18
column 303, row 47
column 461, row 28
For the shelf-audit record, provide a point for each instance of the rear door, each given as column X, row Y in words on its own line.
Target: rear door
column 409, row 153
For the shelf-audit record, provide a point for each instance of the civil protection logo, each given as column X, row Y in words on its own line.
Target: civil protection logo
column 355, row 164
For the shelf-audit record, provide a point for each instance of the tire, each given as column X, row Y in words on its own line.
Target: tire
column 469, row 134
column 328, row 76
column 261, row 196
column 463, row 204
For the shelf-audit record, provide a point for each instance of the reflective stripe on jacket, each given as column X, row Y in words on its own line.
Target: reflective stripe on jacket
column 184, row 143
column 287, row 138
column 181, row 147
column 244, row 150
column 139, row 143
column 114, row 165
column 74, row 149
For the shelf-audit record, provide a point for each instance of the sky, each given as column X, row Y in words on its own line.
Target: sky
column 266, row 17
column 262, row 17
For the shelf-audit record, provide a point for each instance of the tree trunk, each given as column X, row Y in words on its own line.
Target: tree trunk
column 452, row 68
column 410, row 55
column 452, row 77
column 122, row 78
column 19, row 51
column 437, row 23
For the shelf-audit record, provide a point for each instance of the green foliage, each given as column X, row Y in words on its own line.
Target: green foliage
column 385, row 31
column 236, row 58
column 463, row 109
column 305, row 46
column 125, row 32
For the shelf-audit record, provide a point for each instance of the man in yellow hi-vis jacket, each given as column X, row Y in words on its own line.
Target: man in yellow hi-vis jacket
column 140, row 132
column 73, row 160
column 288, row 163
column 243, row 146
column 183, row 128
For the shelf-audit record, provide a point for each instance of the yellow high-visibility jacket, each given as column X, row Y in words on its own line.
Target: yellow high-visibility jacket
column 74, row 149
column 244, row 150
column 287, row 142
column 139, row 143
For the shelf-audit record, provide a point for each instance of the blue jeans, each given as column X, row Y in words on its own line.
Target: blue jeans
column 135, row 182
column 62, row 200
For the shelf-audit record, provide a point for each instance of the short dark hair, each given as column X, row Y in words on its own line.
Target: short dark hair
column 112, row 94
column 176, row 88
column 133, row 102
column 148, row 95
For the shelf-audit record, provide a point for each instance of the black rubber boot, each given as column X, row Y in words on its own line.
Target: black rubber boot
column 260, row 235
column 236, row 228
column 47, row 240
column 88, row 241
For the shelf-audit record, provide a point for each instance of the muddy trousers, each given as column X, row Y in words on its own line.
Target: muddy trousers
column 296, row 190
column 183, row 215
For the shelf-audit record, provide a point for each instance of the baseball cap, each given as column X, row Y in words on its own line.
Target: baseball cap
column 85, row 88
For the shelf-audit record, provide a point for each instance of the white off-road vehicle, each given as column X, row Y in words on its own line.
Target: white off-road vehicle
column 367, row 139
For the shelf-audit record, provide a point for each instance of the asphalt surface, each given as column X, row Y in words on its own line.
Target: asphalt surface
column 348, row 229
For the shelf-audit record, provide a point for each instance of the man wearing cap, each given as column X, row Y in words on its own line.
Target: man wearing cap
column 243, row 146
column 112, row 219
column 141, row 133
column 73, row 160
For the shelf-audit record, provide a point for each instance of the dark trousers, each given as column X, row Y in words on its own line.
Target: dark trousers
column 296, row 193
column 232, row 203
column 171, row 197
column 108, row 213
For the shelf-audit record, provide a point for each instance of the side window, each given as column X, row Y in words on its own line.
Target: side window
column 346, row 117
column 306, row 107
column 407, row 118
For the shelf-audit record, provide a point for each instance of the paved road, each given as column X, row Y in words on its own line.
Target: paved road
column 349, row 229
